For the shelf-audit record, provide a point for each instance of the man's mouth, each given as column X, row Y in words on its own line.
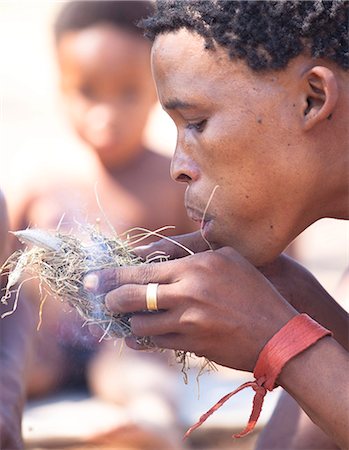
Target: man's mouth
column 198, row 216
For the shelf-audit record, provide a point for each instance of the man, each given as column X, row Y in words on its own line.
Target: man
column 259, row 94
column 15, row 338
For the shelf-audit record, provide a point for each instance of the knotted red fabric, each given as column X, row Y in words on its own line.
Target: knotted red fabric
column 293, row 338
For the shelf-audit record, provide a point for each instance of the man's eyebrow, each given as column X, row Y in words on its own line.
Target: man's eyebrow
column 177, row 104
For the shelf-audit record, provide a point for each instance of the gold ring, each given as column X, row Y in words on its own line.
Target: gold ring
column 151, row 296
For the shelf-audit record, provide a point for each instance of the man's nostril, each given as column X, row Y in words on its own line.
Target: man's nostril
column 183, row 178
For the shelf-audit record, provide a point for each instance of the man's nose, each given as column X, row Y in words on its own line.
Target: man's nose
column 183, row 168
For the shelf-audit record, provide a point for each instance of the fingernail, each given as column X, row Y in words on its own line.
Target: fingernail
column 91, row 282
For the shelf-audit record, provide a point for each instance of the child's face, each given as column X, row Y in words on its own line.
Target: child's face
column 239, row 130
column 106, row 79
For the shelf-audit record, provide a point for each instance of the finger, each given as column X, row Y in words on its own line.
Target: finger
column 170, row 341
column 174, row 247
column 153, row 324
column 132, row 298
column 103, row 281
column 135, row 343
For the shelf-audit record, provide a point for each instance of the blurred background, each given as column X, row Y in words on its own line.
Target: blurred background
column 36, row 142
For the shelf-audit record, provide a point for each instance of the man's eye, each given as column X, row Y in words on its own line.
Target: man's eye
column 198, row 126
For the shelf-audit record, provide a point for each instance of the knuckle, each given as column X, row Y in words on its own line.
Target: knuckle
column 195, row 289
column 110, row 301
column 190, row 318
column 110, row 279
column 116, row 300
column 124, row 294
column 137, row 326
column 219, row 258
column 148, row 273
column 209, row 261
column 227, row 252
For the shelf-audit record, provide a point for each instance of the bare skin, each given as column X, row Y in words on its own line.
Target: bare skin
column 298, row 431
column 264, row 138
column 108, row 92
column 108, row 89
column 289, row 428
column 15, row 332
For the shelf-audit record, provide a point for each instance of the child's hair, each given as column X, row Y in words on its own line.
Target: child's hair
column 78, row 15
column 266, row 34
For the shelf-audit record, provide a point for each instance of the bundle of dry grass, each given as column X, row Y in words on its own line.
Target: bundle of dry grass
column 60, row 261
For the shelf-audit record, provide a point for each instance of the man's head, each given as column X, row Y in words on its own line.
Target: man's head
column 105, row 75
column 258, row 92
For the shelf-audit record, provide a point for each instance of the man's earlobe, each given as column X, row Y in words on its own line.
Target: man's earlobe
column 321, row 96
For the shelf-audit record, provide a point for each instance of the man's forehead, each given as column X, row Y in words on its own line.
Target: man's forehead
column 185, row 50
column 186, row 72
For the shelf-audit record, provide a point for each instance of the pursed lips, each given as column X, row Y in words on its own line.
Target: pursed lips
column 197, row 216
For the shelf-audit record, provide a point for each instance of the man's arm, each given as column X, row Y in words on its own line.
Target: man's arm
column 302, row 290
column 15, row 332
column 295, row 283
column 290, row 428
column 215, row 298
column 318, row 380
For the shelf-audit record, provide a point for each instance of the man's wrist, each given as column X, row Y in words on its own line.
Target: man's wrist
column 295, row 370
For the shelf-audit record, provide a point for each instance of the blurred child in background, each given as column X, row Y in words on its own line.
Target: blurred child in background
column 105, row 77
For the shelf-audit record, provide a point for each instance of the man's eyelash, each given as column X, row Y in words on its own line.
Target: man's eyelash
column 198, row 126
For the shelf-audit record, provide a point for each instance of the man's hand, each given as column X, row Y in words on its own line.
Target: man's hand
column 217, row 305
column 214, row 304
column 295, row 283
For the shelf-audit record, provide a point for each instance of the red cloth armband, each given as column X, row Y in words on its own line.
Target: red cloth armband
column 293, row 338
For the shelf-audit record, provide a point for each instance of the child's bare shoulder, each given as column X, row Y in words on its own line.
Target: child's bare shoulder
column 154, row 161
column 154, row 173
column 161, row 190
column 40, row 201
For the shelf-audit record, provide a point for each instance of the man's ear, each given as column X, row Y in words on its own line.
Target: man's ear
column 321, row 96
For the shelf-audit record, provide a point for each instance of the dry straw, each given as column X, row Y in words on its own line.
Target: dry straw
column 59, row 262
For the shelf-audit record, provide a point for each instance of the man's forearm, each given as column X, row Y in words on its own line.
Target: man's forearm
column 301, row 289
column 318, row 380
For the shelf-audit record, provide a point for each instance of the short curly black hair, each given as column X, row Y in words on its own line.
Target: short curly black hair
column 80, row 14
column 266, row 34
